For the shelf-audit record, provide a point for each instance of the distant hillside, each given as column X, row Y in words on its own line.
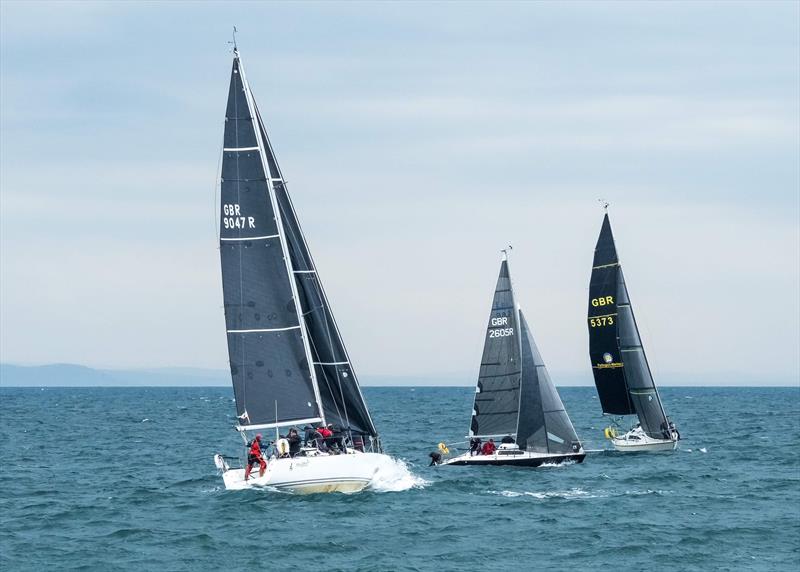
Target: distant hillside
column 69, row 375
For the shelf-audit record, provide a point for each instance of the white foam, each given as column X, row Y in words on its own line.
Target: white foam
column 393, row 475
column 703, row 450
column 570, row 494
column 575, row 493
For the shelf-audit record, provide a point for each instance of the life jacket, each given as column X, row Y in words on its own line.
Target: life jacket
column 325, row 432
column 255, row 448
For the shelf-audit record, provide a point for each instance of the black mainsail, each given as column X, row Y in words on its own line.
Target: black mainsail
column 515, row 395
column 621, row 373
column 496, row 408
column 288, row 362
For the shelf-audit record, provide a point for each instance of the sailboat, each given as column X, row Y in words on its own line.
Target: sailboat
column 621, row 373
column 515, row 403
column 289, row 366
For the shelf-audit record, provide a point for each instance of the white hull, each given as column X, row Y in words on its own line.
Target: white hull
column 321, row 473
column 637, row 441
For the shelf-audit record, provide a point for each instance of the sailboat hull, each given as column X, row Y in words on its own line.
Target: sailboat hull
column 637, row 441
column 345, row 473
column 653, row 446
column 522, row 459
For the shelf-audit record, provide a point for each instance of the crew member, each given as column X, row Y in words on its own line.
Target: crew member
column 327, row 437
column 474, row 446
column 254, row 457
column 294, row 442
column 488, row 448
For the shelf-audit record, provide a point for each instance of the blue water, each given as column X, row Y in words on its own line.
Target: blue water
column 123, row 479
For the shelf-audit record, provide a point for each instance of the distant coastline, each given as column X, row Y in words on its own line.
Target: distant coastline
column 73, row 375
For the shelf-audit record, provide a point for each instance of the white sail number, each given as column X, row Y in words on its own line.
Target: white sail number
column 233, row 217
column 501, row 332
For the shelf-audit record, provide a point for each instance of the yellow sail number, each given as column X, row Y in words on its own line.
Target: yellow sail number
column 601, row 321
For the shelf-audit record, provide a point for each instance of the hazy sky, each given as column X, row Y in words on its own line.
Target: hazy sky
column 418, row 139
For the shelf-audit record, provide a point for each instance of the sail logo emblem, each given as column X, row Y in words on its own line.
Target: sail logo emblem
column 607, row 357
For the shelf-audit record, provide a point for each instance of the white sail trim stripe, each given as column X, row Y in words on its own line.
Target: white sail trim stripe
column 286, row 423
column 305, row 271
column 601, row 316
column 251, row 237
column 263, row 330
column 605, row 265
column 331, row 363
column 240, row 148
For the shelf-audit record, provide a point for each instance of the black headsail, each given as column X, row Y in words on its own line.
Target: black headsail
column 342, row 400
column 496, row 408
column 544, row 425
column 621, row 372
column 269, row 357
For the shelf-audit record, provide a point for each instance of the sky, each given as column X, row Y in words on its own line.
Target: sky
column 418, row 140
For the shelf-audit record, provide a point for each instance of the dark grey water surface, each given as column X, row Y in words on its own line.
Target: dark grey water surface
column 123, row 479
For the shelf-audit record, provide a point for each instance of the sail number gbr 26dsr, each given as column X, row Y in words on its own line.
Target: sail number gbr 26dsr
column 608, row 319
column 233, row 217
column 500, row 332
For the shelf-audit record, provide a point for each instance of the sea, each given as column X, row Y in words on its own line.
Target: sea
column 123, row 479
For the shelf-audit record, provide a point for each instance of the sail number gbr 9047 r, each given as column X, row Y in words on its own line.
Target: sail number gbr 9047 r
column 500, row 332
column 233, row 217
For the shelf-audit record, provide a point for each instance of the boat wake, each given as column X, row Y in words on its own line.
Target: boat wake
column 393, row 475
column 576, row 493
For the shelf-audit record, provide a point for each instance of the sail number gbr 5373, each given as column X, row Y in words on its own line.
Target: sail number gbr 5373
column 496, row 332
column 233, row 217
column 604, row 320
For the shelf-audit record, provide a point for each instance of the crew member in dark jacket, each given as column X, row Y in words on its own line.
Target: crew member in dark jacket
column 294, row 442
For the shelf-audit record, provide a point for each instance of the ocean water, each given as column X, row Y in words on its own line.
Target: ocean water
column 123, row 479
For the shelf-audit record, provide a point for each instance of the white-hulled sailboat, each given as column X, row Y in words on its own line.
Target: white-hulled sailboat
column 516, row 403
column 621, row 373
column 288, row 363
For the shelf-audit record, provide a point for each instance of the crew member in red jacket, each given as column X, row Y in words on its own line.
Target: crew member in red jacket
column 327, row 437
column 254, row 457
column 488, row 447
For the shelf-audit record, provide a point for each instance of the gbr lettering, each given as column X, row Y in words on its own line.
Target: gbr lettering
column 233, row 217
column 602, row 301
